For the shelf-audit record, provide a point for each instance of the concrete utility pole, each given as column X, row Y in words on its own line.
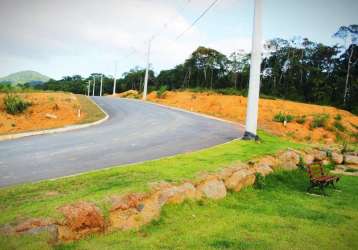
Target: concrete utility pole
column 147, row 71
column 115, row 78
column 100, row 91
column 94, row 84
column 255, row 69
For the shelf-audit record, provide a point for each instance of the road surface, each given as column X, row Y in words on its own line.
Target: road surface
column 135, row 131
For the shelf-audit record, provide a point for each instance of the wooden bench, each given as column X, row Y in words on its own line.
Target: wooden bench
column 319, row 179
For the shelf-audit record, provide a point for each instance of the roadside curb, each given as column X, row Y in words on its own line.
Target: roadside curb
column 183, row 110
column 56, row 130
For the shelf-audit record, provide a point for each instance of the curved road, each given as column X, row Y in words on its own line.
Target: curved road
column 135, row 131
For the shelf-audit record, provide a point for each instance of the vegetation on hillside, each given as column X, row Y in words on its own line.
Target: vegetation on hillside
column 24, row 77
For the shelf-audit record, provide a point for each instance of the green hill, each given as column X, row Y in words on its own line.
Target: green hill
column 24, row 77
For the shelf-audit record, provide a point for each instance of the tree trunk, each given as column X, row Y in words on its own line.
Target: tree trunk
column 347, row 77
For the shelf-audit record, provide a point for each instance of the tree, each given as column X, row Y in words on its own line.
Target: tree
column 350, row 36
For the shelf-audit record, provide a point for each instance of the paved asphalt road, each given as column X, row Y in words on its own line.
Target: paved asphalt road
column 135, row 131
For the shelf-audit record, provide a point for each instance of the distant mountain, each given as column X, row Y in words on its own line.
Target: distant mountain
column 24, row 77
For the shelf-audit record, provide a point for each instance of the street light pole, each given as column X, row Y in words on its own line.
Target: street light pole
column 255, row 69
column 147, row 71
column 94, row 84
column 100, row 91
column 115, row 78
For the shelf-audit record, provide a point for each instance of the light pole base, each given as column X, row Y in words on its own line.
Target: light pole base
column 248, row 136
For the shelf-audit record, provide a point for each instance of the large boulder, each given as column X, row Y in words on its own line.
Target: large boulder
column 308, row 159
column 265, row 165
column 82, row 218
column 177, row 194
column 228, row 171
column 240, row 179
column 337, row 158
column 211, row 187
column 135, row 215
column 351, row 159
column 288, row 160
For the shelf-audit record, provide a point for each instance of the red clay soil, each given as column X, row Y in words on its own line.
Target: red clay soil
column 62, row 105
column 233, row 108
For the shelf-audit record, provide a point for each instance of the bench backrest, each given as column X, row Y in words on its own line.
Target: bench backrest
column 315, row 170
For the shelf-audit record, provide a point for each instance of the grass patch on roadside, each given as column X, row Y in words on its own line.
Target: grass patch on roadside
column 33, row 200
column 93, row 113
column 280, row 216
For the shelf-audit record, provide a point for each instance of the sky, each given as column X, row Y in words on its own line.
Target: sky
column 67, row 37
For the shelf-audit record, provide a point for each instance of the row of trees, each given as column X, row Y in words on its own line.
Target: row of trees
column 297, row 69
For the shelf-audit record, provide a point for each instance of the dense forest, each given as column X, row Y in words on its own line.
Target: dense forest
column 296, row 69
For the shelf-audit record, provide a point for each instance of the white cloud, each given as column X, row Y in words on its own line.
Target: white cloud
column 82, row 36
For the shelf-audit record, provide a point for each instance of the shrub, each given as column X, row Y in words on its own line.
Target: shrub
column 259, row 181
column 301, row 119
column 301, row 164
column 14, row 104
column 338, row 117
column 339, row 126
column 280, row 117
column 319, row 121
column 161, row 91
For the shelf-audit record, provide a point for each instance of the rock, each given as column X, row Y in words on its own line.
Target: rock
column 177, row 194
column 337, row 158
column 265, row 165
column 51, row 116
column 288, row 160
column 32, row 223
column 227, row 172
column 308, row 159
column 240, row 179
column 341, row 167
column 350, row 159
column 326, row 162
column 81, row 219
column 33, row 226
column 134, row 217
column 319, row 155
column 212, row 187
column 127, row 201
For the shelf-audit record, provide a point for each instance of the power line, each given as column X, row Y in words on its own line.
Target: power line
column 197, row 19
column 170, row 20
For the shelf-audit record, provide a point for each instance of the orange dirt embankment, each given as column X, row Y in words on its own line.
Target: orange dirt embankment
column 234, row 108
column 47, row 110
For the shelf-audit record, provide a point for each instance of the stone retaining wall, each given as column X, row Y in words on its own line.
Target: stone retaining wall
column 131, row 211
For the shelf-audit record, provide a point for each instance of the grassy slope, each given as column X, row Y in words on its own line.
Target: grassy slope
column 93, row 113
column 281, row 216
column 32, row 200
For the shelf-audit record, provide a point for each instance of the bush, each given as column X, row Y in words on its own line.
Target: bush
column 259, row 181
column 301, row 119
column 161, row 91
column 280, row 117
column 14, row 104
column 319, row 121
column 338, row 117
column 339, row 126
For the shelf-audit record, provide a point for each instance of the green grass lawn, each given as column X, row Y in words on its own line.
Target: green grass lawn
column 280, row 216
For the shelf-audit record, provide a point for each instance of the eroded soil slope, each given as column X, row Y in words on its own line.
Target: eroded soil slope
column 47, row 110
column 234, row 108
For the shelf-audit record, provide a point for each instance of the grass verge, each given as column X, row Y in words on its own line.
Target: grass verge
column 42, row 198
column 93, row 113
